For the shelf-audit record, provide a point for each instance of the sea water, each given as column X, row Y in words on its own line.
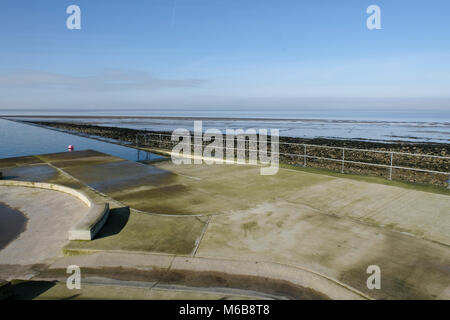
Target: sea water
column 17, row 139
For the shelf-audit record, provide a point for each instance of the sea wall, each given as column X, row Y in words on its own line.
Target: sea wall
column 375, row 154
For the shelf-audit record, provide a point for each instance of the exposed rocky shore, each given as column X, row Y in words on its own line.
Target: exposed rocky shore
column 161, row 140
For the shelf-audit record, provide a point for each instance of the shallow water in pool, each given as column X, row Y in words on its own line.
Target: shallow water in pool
column 17, row 139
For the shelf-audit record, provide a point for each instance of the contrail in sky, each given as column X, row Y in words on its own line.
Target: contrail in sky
column 173, row 12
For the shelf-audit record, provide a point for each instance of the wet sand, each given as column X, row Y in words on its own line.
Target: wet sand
column 12, row 224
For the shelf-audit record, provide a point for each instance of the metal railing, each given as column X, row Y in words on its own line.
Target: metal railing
column 342, row 159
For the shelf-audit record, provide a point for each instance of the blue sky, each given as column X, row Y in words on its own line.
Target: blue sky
column 216, row 54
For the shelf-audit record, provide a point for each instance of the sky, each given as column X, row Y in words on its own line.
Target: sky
column 219, row 54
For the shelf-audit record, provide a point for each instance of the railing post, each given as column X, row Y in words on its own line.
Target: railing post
column 390, row 168
column 160, row 140
column 304, row 157
column 343, row 160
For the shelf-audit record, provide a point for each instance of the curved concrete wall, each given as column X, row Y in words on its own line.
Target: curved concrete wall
column 90, row 225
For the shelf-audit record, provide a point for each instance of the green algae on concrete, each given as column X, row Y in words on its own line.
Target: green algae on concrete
column 214, row 189
column 333, row 225
column 118, row 176
column 146, row 233
column 78, row 158
column 165, row 188
column 19, row 161
column 36, row 173
column 338, row 247
column 371, row 179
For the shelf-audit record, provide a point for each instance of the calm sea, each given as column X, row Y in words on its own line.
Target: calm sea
column 385, row 126
column 18, row 139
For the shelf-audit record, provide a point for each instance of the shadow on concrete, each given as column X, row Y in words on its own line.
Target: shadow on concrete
column 117, row 220
column 12, row 224
column 10, row 177
column 75, row 296
column 28, row 290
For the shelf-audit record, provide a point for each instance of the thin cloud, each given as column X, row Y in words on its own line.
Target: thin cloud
column 107, row 80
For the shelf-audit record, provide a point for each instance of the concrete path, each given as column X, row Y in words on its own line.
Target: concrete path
column 50, row 215
column 155, row 268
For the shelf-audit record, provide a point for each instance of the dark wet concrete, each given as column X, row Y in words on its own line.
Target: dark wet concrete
column 119, row 176
column 12, row 224
column 78, row 158
column 30, row 173
column 18, row 161
column 116, row 177
column 61, row 156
